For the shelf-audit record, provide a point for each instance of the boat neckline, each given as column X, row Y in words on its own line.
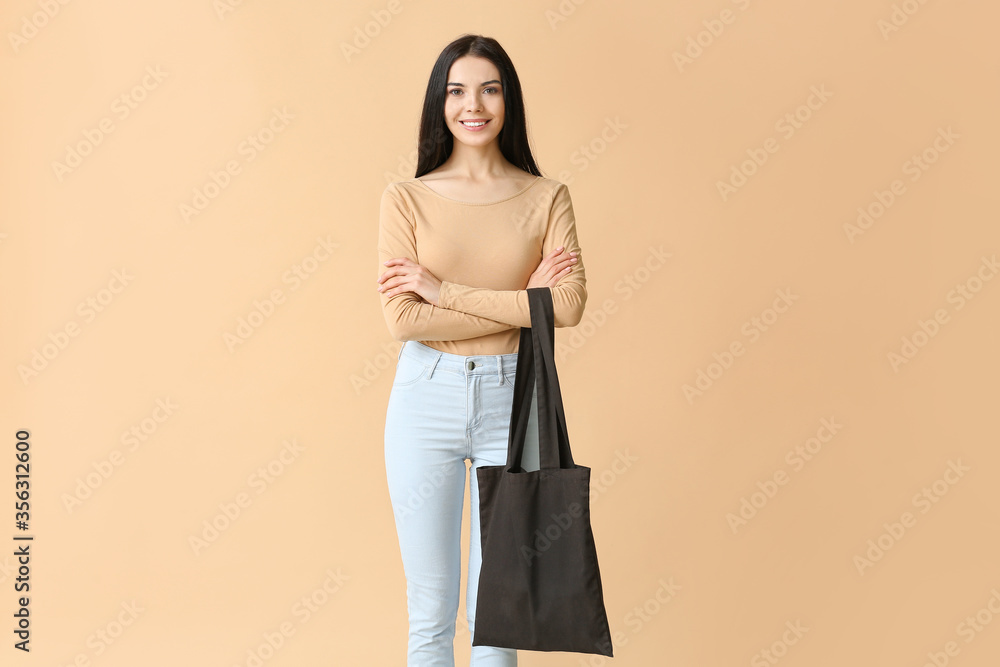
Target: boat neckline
column 481, row 203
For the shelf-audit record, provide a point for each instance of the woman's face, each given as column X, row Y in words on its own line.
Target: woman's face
column 474, row 93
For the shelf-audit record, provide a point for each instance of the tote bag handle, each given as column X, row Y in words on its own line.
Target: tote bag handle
column 536, row 361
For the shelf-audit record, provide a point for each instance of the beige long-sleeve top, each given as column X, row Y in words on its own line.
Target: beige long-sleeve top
column 483, row 254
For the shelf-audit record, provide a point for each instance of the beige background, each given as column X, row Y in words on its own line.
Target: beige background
column 317, row 371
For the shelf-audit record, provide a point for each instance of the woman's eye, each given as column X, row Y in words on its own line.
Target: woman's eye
column 493, row 89
column 455, row 90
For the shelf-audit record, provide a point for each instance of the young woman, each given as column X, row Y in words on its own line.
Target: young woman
column 458, row 246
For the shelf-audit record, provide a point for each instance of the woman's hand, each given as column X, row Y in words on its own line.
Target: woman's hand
column 552, row 268
column 405, row 275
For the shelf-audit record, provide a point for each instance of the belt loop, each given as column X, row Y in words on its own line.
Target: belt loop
column 433, row 365
column 499, row 370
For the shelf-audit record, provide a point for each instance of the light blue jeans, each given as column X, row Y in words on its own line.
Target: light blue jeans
column 443, row 409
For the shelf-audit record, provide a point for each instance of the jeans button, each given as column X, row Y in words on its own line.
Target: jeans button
column 470, row 365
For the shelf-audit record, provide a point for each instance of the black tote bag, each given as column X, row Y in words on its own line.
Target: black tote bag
column 540, row 585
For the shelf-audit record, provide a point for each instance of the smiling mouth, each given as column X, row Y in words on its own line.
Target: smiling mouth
column 480, row 123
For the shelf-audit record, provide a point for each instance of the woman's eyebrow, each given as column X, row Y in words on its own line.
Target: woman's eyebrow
column 463, row 85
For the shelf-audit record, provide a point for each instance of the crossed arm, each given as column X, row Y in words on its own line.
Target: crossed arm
column 466, row 311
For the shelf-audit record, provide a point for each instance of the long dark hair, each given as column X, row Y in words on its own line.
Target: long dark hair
column 436, row 141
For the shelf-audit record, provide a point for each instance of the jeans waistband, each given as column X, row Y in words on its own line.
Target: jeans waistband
column 476, row 364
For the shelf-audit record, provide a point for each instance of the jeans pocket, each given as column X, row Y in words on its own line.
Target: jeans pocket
column 509, row 378
column 408, row 371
